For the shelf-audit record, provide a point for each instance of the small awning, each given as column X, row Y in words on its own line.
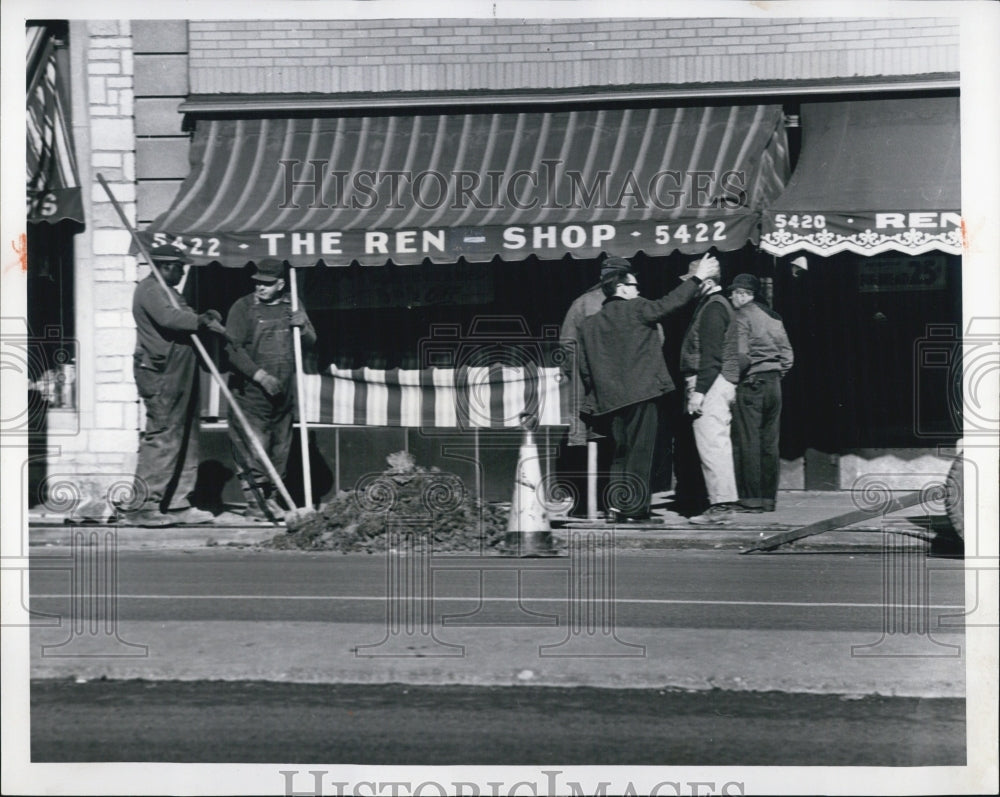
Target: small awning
column 474, row 186
column 874, row 176
column 53, row 185
column 488, row 397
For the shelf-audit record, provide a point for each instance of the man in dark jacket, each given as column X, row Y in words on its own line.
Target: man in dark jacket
column 624, row 374
column 165, row 366
column 259, row 330
column 764, row 356
column 583, row 306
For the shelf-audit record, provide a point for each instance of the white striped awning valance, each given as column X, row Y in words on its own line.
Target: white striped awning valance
column 474, row 186
column 488, row 397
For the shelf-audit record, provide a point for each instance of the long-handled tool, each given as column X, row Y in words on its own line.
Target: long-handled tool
column 300, row 392
column 249, row 485
column 294, row 517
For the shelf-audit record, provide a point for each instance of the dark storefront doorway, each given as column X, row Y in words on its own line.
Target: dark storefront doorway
column 860, row 380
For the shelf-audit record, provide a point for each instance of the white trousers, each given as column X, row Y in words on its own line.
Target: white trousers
column 711, row 435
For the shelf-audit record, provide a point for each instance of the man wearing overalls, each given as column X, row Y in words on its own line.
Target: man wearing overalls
column 165, row 366
column 261, row 355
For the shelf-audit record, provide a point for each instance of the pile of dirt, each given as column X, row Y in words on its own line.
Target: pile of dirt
column 404, row 507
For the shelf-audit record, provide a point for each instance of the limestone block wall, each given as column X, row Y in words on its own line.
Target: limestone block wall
column 100, row 453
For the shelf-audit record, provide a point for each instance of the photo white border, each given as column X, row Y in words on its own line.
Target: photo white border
column 980, row 88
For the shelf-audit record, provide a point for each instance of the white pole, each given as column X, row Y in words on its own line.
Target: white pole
column 475, row 456
column 300, row 392
column 592, row 480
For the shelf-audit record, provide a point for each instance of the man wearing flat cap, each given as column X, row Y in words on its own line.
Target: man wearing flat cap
column 624, row 372
column 763, row 355
column 262, row 359
column 165, row 366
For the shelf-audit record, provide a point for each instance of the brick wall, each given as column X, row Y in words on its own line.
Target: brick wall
column 103, row 451
column 452, row 54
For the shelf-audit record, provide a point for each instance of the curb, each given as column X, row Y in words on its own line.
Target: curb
column 856, row 539
column 130, row 538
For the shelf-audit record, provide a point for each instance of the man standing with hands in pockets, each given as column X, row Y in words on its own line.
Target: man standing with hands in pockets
column 260, row 349
column 764, row 355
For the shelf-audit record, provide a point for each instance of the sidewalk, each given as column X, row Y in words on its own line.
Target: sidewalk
column 920, row 526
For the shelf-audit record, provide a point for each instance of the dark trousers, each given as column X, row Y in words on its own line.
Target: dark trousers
column 633, row 428
column 756, row 417
column 167, row 468
column 690, row 493
column 271, row 421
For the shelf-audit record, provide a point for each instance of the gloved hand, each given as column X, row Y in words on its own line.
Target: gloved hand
column 268, row 383
column 694, row 402
column 299, row 318
column 212, row 319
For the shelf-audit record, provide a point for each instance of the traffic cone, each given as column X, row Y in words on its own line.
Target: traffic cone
column 528, row 531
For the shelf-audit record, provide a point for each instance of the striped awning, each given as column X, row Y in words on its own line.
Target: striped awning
column 474, row 186
column 53, row 185
column 874, row 176
column 488, row 397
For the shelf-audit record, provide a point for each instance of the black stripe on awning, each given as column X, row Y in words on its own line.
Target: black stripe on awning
column 474, row 186
column 873, row 176
column 53, row 184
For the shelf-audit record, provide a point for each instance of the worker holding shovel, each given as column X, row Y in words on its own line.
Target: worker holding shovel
column 165, row 366
column 260, row 346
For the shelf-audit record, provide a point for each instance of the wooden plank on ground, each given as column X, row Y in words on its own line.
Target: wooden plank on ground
column 829, row 524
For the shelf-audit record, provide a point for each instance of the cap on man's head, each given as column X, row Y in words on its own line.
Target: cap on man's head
column 747, row 282
column 613, row 265
column 168, row 253
column 269, row 270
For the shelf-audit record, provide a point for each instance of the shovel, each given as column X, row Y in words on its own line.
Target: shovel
column 294, row 518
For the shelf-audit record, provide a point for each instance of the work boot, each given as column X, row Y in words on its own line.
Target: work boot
column 191, row 516
column 254, row 512
column 616, row 516
column 147, row 519
column 716, row 514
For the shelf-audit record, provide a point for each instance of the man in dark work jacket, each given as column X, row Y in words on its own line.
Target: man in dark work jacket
column 624, row 373
column 165, row 366
column 259, row 330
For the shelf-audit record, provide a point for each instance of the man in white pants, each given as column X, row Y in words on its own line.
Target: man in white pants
column 710, row 378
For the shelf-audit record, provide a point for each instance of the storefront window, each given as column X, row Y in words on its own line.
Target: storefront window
column 52, row 351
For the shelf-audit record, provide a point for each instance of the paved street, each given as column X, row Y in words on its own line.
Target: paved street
column 680, row 589
column 791, row 659
column 688, row 619
column 405, row 724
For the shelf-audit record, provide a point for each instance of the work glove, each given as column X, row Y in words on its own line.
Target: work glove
column 694, row 402
column 268, row 383
column 299, row 318
column 212, row 320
